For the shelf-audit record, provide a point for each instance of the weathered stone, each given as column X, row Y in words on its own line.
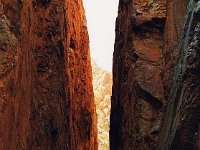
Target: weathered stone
column 46, row 97
column 147, row 49
column 102, row 83
column 138, row 93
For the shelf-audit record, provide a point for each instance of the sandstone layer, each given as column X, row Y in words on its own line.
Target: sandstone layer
column 46, row 97
column 138, row 92
column 152, row 88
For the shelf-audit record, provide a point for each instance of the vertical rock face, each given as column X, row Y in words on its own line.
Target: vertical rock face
column 148, row 46
column 137, row 89
column 44, row 103
column 82, row 108
column 182, row 117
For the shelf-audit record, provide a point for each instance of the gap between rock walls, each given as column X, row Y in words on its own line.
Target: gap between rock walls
column 54, row 96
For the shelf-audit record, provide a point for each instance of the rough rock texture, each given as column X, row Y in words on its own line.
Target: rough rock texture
column 182, row 117
column 102, row 83
column 138, row 92
column 147, row 87
column 46, row 98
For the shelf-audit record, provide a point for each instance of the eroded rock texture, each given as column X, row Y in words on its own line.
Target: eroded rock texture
column 150, row 95
column 82, row 109
column 182, row 117
column 137, row 89
column 176, row 13
column 46, row 98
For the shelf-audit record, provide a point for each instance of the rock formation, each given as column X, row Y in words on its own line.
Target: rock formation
column 46, row 97
column 46, row 93
column 155, row 76
column 102, row 84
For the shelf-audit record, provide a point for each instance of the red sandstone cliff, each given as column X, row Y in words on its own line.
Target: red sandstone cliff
column 154, row 87
column 180, row 128
column 46, row 97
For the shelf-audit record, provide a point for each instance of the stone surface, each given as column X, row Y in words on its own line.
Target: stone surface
column 154, row 103
column 46, row 97
column 82, row 107
column 182, row 116
column 176, row 12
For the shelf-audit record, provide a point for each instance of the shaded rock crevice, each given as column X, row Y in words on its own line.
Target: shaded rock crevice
column 155, row 71
column 183, row 104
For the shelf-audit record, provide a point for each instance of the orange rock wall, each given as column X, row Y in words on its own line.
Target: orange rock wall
column 138, row 92
column 46, row 99
column 102, row 84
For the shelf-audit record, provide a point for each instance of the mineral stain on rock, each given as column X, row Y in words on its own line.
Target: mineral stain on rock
column 38, row 94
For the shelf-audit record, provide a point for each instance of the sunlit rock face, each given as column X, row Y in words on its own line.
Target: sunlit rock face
column 46, row 95
column 138, row 92
column 102, row 84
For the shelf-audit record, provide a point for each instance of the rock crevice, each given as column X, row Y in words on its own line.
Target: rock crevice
column 154, row 101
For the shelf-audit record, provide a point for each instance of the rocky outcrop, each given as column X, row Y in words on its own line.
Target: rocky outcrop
column 102, row 83
column 153, row 101
column 46, row 97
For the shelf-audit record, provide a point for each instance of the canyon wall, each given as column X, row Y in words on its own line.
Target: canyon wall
column 82, row 109
column 180, row 129
column 150, row 77
column 46, row 97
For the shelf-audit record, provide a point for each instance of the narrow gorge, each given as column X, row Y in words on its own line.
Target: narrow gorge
column 53, row 96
